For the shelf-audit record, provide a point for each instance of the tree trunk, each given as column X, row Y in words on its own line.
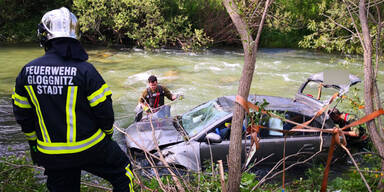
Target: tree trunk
column 376, row 98
column 250, row 48
column 234, row 159
column 369, row 82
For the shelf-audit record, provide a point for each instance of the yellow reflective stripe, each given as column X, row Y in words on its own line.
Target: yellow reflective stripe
column 129, row 174
column 71, row 114
column 67, row 148
column 20, row 101
column 35, row 102
column 110, row 131
column 99, row 96
column 31, row 136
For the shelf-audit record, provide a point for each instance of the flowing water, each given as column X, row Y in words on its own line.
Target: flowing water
column 200, row 77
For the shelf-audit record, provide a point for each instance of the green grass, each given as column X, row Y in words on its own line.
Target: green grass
column 18, row 174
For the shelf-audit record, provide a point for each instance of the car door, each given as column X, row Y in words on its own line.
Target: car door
column 298, row 145
column 214, row 151
column 219, row 151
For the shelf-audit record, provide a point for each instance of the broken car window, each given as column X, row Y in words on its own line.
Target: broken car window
column 202, row 116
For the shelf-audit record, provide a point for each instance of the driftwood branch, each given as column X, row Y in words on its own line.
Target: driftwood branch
column 21, row 166
column 96, row 186
column 222, row 179
column 278, row 164
column 357, row 167
column 149, row 156
column 174, row 177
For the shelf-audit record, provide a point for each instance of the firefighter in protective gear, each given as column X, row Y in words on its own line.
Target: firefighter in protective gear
column 65, row 110
column 153, row 96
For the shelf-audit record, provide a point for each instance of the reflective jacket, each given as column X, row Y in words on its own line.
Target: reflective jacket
column 63, row 103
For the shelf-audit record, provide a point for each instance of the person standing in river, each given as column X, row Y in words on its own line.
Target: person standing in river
column 153, row 96
column 65, row 110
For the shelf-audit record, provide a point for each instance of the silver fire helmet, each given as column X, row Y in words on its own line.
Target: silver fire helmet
column 59, row 23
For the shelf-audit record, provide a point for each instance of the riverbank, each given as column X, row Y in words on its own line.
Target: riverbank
column 17, row 174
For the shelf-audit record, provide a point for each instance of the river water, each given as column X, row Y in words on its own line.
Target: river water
column 200, row 77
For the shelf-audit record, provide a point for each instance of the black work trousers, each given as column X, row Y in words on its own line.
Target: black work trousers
column 111, row 163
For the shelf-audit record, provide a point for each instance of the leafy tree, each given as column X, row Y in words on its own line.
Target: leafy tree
column 212, row 16
column 336, row 30
column 354, row 27
column 150, row 24
column 286, row 27
column 19, row 18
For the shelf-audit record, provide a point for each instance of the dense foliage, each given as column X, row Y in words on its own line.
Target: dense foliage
column 190, row 25
column 287, row 25
column 153, row 24
column 148, row 24
column 18, row 175
column 19, row 18
column 337, row 30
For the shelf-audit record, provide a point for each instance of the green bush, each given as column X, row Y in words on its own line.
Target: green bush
column 20, row 177
column 153, row 24
column 19, row 18
column 150, row 24
column 17, row 174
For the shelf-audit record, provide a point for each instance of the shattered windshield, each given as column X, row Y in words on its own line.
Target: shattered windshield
column 312, row 90
column 202, row 116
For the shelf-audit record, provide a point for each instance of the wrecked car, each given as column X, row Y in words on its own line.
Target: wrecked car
column 190, row 139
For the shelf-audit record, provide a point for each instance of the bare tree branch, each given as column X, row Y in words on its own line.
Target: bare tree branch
column 357, row 167
column 354, row 24
column 338, row 24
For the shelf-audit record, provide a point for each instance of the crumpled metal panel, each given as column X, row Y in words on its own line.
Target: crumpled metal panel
column 319, row 77
column 286, row 104
column 343, row 88
column 302, row 106
column 141, row 132
column 186, row 154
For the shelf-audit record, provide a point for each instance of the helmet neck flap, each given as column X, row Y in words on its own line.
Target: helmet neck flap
column 67, row 48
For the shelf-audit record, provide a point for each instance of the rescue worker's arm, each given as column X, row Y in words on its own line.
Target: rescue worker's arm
column 99, row 97
column 25, row 115
column 22, row 109
column 142, row 101
column 143, row 95
column 352, row 133
column 168, row 94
